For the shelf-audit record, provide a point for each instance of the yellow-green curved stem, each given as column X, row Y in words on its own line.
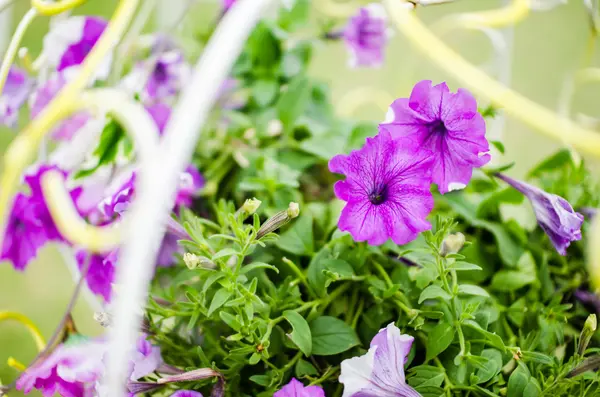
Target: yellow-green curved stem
column 40, row 342
column 13, row 363
column 23, row 149
column 336, row 9
column 13, row 47
column 515, row 12
column 361, row 96
column 55, row 8
column 514, row 104
column 70, row 224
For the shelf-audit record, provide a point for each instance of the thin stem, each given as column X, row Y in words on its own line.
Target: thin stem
column 301, row 276
column 55, row 8
column 31, row 327
column 383, row 274
column 13, row 47
column 69, row 259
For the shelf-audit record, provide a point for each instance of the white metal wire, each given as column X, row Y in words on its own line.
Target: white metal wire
column 159, row 182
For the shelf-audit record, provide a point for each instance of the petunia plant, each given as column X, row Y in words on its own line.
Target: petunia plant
column 289, row 251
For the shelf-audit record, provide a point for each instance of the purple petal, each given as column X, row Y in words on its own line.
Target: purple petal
column 296, row 389
column 186, row 393
column 13, row 95
column 366, row 36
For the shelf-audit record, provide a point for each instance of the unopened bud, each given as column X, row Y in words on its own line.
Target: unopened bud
column 278, row 220
column 251, row 205
column 274, row 128
column 293, row 210
column 249, row 134
column 589, row 328
column 193, row 261
column 452, row 244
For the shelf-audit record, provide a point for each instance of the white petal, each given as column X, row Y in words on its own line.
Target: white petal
column 456, row 186
column 62, row 35
column 356, row 373
column 376, row 10
column 389, row 116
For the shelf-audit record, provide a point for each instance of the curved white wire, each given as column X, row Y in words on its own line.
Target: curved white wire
column 158, row 183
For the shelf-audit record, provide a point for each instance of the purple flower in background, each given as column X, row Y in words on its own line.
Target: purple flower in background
column 386, row 190
column 588, row 212
column 70, row 40
column 227, row 4
column 117, row 203
column 146, row 359
column 186, row 393
column 168, row 249
column 446, row 124
column 170, row 73
column 13, row 96
column 160, row 113
column 67, row 129
column 380, row 372
column 554, row 214
column 26, row 231
column 366, row 36
column 69, row 371
column 101, row 272
column 190, row 184
column 296, row 389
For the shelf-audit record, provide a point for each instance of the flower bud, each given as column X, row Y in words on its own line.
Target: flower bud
column 250, row 206
column 278, row 220
column 193, row 261
column 103, row 318
column 452, row 244
column 274, row 128
column 586, row 334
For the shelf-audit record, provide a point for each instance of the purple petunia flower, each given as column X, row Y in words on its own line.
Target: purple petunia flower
column 366, row 36
column 380, row 372
column 146, row 359
column 67, row 129
column 101, row 272
column 170, row 74
column 186, row 393
column 386, row 190
column 70, row 40
column 190, row 184
column 69, row 371
column 446, row 124
column 296, row 389
column 13, row 96
column 160, row 113
column 554, row 214
column 26, row 231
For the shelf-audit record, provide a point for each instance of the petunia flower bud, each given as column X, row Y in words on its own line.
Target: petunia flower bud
column 251, row 205
column 586, row 334
column 193, row 261
column 452, row 244
column 554, row 214
column 278, row 220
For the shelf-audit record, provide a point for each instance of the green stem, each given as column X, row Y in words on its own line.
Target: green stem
column 450, row 290
column 13, row 47
column 361, row 305
column 383, row 273
column 301, row 276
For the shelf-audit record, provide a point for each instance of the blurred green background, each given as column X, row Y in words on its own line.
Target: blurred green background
column 548, row 47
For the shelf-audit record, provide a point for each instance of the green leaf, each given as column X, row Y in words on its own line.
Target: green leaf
column 219, row 300
column 518, row 381
column 224, row 253
column 108, row 147
column 263, row 380
column 210, row 280
column 293, row 102
column 494, row 339
column 511, row 280
column 299, row 238
column 335, row 269
column 315, row 275
column 331, row 336
column 464, row 266
column 433, row 292
column 258, row 265
column 264, row 48
column 304, row 368
column 555, row 162
column 492, row 367
column 301, row 335
column 264, row 91
column 438, row 340
column 536, row 357
column 468, row 289
column 295, row 14
column 426, row 375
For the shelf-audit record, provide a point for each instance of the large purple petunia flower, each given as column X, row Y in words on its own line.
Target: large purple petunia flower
column 69, row 371
column 67, row 129
column 13, row 96
column 101, row 272
column 26, row 231
column 554, row 214
column 190, row 184
column 296, row 389
column 70, row 40
column 446, row 124
column 380, row 372
column 386, row 190
column 366, row 36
